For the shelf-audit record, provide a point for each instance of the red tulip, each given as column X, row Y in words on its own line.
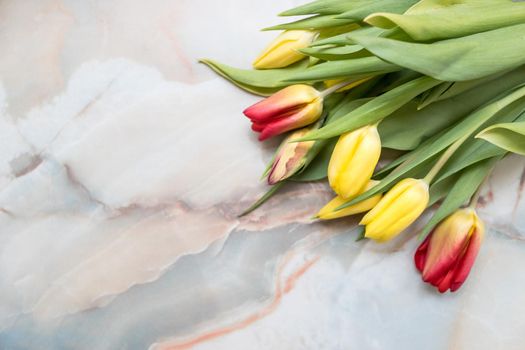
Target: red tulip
column 448, row 253
column 291, row 108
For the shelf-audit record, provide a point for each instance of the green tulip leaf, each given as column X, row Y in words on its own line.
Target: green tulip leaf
column 333, row 53
column 375, row 110
column 452, row 89
column 273, row 190
column 453, row 19
column 471, row 153
column 459, row 59
column 507, row 136
column 342, row 38
column 333, row 41
column 359, row 13
column 353, row 68
column 434, row 94
column 463, row 189
column 260, row 82
column 323, row 7
column 314, row 22
column 466, row 126
column 396, row 162
column 475, row 150
column 428, row 122
column 440, row 190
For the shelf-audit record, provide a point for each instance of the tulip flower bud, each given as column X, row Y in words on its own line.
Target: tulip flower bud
column 291, row 108
column 353, row 161
column 448, row 253
column 283, row 51
column 329, row 212
column 399, row 208
column 290, row 157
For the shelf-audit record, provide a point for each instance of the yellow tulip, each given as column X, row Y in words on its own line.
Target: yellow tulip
column 353, row 161
column 283, row 51
column 399, row 208
column 329, row 212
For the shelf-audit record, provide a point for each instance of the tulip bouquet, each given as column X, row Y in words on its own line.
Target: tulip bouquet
column 440, row 82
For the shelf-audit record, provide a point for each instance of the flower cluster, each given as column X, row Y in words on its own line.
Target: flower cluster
column 347, row 83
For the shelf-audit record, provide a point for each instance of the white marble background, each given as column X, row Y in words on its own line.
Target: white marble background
column 123, row 165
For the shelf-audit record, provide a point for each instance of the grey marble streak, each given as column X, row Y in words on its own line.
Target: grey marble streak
column 124, row 165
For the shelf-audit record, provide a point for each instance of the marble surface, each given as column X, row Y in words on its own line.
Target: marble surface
column 123, row 166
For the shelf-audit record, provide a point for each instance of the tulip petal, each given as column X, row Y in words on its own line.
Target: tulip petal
column 447, row 243
column 328, row 212
column 290, row 157
column 283, row 51
column 467, row 261
column 306, row 116
column 257, row 127
column 361, row 166
column 353, row 161
column 446, row 256
column 444, row 284
column 387, row 200
column 284, row 54
column 344, row 150
column 399, row 216
column 407, row 200
column 421, row 254
column 282, row 103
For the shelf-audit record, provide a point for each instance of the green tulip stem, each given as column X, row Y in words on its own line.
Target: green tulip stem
column 475, row 197
column 444, row 159
column 336, row 87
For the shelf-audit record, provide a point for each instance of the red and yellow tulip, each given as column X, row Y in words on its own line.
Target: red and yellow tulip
column 291, row 108
column 290, row 157
column 446, row 256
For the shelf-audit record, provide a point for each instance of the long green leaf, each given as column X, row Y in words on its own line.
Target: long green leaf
column 466, row 126
column 453, row 19
column 434, row 94
column 391, row 6
column 475, row 150
column 472, row 153
column 395, row 163
column 507, row 136
column 333, row 53
column 342, row 39
column 260, row 82
column 310, row 23
column 467, row 184
column 428, row 122
column 323, row 7
column 460, row 87
column 358, row 67
column 273, row 190
column 466, row 58
column 375, row 110
column 440, row 190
